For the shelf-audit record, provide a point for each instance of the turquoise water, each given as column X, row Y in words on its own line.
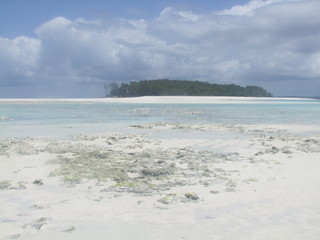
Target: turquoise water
column 54, row 118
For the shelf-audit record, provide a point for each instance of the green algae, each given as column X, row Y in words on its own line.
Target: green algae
column 5, row 184
column 191, row 196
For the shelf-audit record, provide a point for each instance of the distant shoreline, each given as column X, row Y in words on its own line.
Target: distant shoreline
column 160, row 99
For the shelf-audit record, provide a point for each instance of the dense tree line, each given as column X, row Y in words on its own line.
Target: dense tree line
column 165, row 87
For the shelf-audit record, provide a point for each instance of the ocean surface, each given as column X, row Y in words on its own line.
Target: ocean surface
column 65, row 118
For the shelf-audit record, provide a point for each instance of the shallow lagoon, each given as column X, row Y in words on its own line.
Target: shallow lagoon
column 63, row 118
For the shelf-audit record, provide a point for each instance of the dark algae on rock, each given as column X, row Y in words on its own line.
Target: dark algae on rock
column 141, row 171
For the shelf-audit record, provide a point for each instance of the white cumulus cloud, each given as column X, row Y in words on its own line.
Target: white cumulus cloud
column 18, row 58
column 250, row 8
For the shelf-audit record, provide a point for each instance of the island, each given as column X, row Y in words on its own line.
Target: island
column 166, row 87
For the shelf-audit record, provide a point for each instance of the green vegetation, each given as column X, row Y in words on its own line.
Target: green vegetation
column 165, row 87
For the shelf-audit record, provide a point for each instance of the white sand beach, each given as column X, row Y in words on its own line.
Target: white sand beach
column 153, row 99
column 222, row 182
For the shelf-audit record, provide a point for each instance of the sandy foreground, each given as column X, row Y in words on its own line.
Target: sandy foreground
column 195, row 182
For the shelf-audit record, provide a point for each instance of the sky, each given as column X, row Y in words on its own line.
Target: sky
column 73, row 48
